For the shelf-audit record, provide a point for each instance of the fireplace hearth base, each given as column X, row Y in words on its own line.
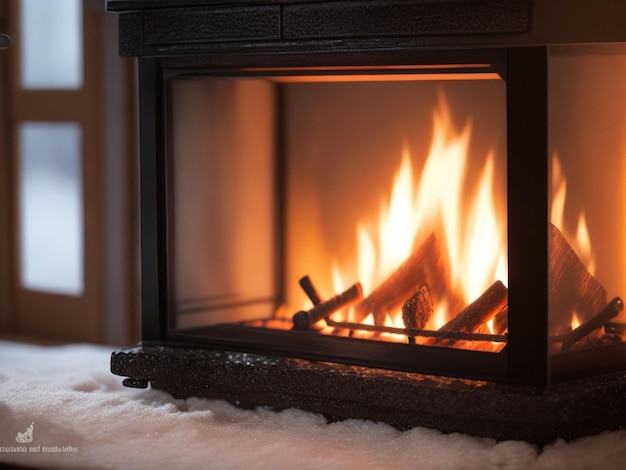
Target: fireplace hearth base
column 404, row 400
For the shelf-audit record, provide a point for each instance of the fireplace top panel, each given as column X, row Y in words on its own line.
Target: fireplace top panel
column 167, row 28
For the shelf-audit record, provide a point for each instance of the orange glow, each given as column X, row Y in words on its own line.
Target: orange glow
column 583, row 243
column 364, row 68
column 404, row 77
column 439, row 317
column 490, row 325
column 387, row 73
column 575, row 321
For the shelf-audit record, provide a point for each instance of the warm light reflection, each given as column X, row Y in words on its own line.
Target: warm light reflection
column 579, row 240
column 404, row 77
column 439, row 317
column 583, row 244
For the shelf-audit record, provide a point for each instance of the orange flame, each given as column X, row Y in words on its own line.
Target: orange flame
column 474, row 238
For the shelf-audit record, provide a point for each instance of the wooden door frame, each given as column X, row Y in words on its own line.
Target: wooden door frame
column 107, row 311
column 6, row 261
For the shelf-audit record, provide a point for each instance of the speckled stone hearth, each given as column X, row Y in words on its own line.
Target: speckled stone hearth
column 404, row 400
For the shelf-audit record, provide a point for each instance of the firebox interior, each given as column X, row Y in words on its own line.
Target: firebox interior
column 258, row 163
column 276, row 174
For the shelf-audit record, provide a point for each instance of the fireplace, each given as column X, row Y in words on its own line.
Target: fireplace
column 421, row 199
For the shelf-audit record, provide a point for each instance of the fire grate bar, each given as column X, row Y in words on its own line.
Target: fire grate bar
column 409, row 332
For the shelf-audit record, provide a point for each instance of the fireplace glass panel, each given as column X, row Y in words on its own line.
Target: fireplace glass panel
column 587, row 124
column 223, row 215
column 342, row 179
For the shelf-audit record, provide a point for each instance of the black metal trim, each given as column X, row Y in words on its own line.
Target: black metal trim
column 280, row 191
column 152, row 193
column 527, row 205
column 306, row 26
column 380, row 18
column 427, row 359
column 584, row 363
column 244, row 61
column 369, row 353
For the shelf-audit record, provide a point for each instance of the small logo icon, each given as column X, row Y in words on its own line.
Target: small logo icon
column 26, row 436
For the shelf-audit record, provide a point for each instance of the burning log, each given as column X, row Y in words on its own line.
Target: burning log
column 310, row 290
column 417, row 311
column 588, row 327
column 484, row 308
column 501, row 321
column 424, row 267
column 572, row 287
column 303, row 320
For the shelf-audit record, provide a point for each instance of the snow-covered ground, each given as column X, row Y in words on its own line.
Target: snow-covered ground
column 82, row 417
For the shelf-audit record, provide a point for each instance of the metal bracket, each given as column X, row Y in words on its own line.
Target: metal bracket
column 5, row 41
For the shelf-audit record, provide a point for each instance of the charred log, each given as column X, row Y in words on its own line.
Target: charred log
column 572, row 287
column 484, row 308
column 417, row 311
column 310, row 290
column 501, row 321
column 304, row 319
column 425, row 266
column 596, row 322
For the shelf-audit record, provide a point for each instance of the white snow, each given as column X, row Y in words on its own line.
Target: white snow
column 82, row 411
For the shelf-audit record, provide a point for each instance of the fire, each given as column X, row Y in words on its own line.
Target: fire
column 490, row 326
column 579, row 240
column 472, row 235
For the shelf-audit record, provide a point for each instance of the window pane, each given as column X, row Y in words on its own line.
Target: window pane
column 51, row 46
column 51, row 211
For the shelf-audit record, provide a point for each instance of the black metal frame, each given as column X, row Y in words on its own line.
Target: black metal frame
column 527, row 208
column 209, row 37
column 525, row 360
